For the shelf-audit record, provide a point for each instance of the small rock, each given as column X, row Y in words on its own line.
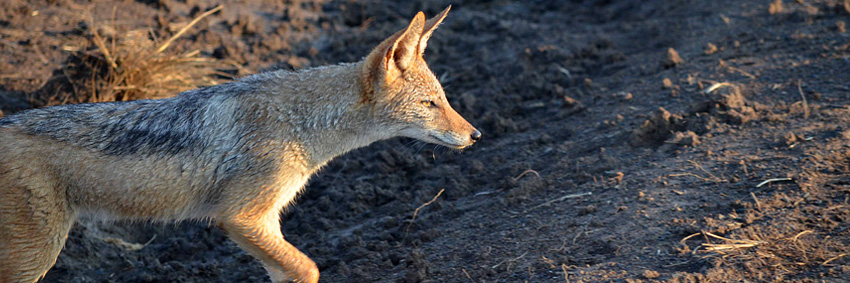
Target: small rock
column 618, row 177
column 623, row 96
column 571, row 105
column 730, row 102
column 710, row 48
column 656, row 129
column 790, row 138
column 673, row 58
column 667, row 83
column 685, row 138
column 650, row 274
column 587, row 210
column 776, row 7
column 840, row 26
column 725, row 19
column 741, row 116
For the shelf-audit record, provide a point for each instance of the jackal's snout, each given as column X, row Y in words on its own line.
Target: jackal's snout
column 475, row 136
column 467, row 134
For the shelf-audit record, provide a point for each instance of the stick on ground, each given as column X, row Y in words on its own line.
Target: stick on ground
column 806, row 111
column 557, row 200
column 768, row 181
column 184, row 29
column 526, row 172
column 415, row 212
column 758, row 204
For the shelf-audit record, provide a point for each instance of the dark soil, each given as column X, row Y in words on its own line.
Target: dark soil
column 621, row 140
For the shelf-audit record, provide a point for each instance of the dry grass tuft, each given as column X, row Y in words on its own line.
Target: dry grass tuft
column 121, row 66
column 768, row 250
column 716, row 245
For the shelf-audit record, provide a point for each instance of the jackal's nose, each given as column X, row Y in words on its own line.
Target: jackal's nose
column 475, row 136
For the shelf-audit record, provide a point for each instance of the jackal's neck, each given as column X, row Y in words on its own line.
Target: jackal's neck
column 320, row 109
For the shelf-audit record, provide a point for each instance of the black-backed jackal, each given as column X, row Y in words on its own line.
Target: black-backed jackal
column 235, row 153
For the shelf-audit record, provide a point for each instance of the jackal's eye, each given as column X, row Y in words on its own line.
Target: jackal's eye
column 428, row 103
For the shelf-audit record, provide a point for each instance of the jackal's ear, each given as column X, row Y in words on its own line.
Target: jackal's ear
column 431, row 25
column 402, row 53
column 391, row 58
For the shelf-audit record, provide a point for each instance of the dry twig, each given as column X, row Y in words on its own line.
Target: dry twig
column 768, row 181
column 186, row 28
column 566, row 274
column 510, row 260
column 758, row 204
column 796, row 245
column 415, row 212
column 526, row 172
column 806, row 111
column 716, row 86
column 557, row 200
column 467, row 274
column 703, row 170
column 692, row 175
column 834, row 258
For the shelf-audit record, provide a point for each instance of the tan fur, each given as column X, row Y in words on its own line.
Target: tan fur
column 292, row 124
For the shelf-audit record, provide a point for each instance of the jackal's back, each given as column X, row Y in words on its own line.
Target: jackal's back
column 151, row 159
column 164, row 126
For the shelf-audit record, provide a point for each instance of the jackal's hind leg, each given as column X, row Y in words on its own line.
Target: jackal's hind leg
column 34, row 223
column 263, row 239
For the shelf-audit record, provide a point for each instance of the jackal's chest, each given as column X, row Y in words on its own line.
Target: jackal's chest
column 289, row 179
column 289, row 190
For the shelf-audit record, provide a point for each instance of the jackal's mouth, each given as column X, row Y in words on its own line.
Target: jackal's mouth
column 445, row 143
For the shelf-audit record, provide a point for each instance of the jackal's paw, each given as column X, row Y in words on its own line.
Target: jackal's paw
column 306, row 274
column 312, row 277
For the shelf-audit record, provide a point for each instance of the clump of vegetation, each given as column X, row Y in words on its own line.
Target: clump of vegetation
column 136, row 64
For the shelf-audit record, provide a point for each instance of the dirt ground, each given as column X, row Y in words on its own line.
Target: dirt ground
column 657, row 140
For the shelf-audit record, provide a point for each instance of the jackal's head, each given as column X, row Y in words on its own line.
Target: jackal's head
column 400, row 87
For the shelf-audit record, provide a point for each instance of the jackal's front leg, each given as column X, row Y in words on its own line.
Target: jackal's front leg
column 262, row 239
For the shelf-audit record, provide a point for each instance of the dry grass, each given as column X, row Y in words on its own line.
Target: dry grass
column 760, row 249
column 130, row 65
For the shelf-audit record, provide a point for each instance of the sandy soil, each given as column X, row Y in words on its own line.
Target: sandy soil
column 680, row 141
